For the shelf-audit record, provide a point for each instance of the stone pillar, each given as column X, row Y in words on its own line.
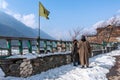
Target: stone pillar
column 26, row 68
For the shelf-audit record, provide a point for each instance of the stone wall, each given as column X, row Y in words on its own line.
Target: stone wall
column 26, row 67
column 11, row 67
column 21, row 67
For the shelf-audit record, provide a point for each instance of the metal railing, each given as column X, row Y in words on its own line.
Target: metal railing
column 19, row 45
column 22, row 45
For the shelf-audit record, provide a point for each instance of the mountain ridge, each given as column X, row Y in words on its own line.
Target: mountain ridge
column 11, row 27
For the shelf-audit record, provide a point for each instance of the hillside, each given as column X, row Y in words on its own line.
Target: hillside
column 9, row 26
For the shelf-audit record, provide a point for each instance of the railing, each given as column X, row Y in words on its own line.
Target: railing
column 22, row 45
column 10, row 45
column 96, row 46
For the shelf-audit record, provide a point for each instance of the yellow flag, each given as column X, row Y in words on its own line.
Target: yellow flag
column 43, row 11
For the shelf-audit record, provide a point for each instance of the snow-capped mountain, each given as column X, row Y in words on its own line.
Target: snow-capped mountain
column 9, row 26
column 115, row 21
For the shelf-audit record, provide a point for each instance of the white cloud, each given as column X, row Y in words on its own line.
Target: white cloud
column 17, row 16
column 3, row 4
column 28, row 20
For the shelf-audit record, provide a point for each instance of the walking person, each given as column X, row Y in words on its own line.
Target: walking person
column 75, row 55
column 84, row 51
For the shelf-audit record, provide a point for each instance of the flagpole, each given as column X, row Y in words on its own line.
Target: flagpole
column 39, row 20
column 38, row 39
column 44, row 12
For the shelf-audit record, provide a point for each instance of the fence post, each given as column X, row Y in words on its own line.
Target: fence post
column 38, row 45
column 9, row 46
column 69, row 45
column 29, row 46
column 51, row 46
column 56, row 46
column 65, row 46
column 20, row 47
column 45, row 46
column 61, row 45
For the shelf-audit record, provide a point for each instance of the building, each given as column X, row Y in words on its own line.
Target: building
column 107, row 34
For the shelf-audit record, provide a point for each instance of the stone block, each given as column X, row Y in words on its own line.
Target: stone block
column 14, row 67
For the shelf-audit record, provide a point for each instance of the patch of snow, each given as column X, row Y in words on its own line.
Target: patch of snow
column 35, row 55
column 28, row 56
column 2, row 74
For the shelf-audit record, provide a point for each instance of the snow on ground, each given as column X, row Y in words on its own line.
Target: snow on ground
column 2, row 74
column 35, row 55
column 99, row 67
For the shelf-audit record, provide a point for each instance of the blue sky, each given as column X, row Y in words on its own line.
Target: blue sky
column 64, row 15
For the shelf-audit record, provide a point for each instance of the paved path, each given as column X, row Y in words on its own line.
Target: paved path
column 114, row 73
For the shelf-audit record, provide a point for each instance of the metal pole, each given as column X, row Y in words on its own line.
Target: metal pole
column 38, row 40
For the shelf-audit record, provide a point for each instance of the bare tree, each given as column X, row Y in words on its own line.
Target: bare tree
column 113, row 21
column 75, row 33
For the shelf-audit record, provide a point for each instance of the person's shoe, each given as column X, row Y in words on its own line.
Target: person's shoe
column 78, row 63
column 87, row 66
column 82, row 67
column 74, row 64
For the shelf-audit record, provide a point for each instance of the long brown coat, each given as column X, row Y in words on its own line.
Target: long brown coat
column 84, row 52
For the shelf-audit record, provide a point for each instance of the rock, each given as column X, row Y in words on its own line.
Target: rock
column 14, row 67
column 26, row 68
column 23, row 64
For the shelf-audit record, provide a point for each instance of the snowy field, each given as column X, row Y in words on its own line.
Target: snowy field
column 99, row 67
